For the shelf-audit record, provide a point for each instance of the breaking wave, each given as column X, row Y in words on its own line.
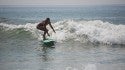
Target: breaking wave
column 95, row 31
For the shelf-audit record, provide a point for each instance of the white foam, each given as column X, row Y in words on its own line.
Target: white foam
column 93, row 31
column 90, row 67
column 83, row 31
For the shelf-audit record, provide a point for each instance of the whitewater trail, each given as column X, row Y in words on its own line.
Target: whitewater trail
column 95, row 31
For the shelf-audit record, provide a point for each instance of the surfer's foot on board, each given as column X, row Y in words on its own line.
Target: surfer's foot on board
column 44, row 38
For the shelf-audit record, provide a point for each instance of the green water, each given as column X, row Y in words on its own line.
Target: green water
column 71, row 55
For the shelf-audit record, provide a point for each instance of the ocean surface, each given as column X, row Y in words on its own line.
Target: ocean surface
column 87, row 38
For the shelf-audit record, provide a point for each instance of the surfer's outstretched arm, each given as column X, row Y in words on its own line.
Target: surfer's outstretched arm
column 52, row 27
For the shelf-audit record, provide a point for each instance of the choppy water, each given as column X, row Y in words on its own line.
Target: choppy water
column 87, row 38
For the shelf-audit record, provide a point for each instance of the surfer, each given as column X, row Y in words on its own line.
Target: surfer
column 42, row 26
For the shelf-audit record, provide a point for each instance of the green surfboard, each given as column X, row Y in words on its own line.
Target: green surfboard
column 48, row 42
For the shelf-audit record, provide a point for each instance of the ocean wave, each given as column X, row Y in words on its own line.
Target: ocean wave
column 95, row 31
column 20, row 29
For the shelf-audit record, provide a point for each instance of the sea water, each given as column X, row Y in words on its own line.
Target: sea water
column 87, row 38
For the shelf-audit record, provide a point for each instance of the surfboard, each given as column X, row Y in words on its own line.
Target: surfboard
column 48, row 42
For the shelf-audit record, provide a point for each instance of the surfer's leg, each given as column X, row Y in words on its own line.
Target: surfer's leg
column 47, row 32
column 44, row 35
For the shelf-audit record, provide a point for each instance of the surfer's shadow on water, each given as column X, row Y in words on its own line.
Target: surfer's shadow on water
column 44, row 53
column 44, row 46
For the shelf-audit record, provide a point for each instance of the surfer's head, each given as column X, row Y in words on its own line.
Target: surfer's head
column 47, row 19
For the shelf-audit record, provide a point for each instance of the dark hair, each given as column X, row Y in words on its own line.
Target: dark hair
column 48, row 19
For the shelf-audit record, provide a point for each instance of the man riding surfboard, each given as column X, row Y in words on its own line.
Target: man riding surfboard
column 42, row 26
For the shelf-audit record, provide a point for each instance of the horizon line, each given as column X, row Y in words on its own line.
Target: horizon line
column 60, row 5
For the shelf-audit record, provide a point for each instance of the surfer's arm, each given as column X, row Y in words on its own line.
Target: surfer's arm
column 52, row 27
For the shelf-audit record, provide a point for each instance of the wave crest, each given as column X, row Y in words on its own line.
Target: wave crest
column 92, row 31
column 95, row 31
